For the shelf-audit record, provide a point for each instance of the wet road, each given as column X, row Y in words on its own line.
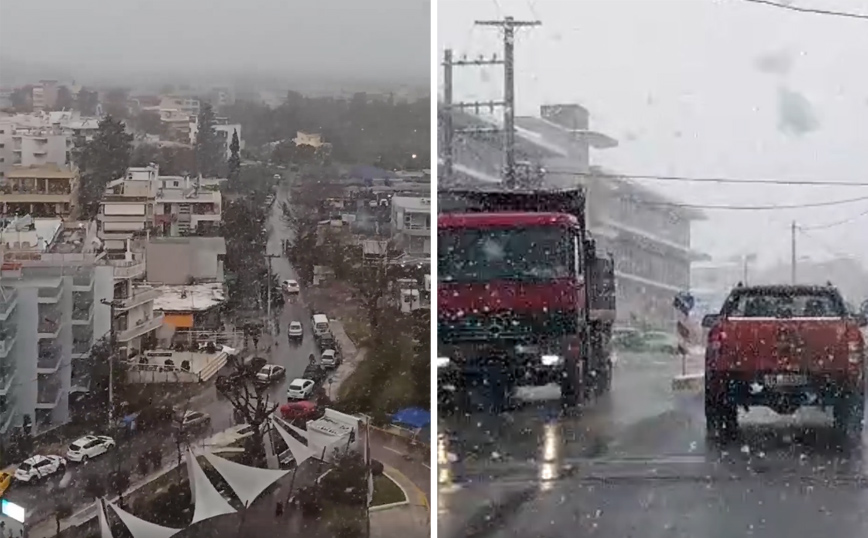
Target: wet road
column 637, row 464
column 39, row 499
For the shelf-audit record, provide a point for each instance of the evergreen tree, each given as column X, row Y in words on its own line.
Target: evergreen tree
column 209, row 151
column 103, row 159
column 235, row 161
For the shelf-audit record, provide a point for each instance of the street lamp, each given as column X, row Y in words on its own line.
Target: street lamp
column 111, row 359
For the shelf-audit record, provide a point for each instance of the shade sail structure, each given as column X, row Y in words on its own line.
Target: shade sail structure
column 247, row 482
column 300, row 452
column 208, row 501
column 139, row 528
column 104, row 530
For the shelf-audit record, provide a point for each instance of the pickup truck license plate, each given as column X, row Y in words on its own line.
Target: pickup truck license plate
column 786, row 380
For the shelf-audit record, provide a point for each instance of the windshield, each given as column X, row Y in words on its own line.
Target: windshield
column 25, row 467
column 524, row 254
column 784, row 303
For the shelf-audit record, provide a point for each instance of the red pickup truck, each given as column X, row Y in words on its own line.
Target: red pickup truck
column 784, row 347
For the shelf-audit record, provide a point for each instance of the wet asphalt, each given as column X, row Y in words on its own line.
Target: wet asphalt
column 637, row 463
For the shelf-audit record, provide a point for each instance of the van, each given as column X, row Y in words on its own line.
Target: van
column 320, row 324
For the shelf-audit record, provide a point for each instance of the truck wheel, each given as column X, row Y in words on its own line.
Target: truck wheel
column 571, row 384
column 849, row 413
column 721, row 416
column 603, row 379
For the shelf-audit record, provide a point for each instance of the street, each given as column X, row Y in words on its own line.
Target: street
column 292, row 356
column 637, row 464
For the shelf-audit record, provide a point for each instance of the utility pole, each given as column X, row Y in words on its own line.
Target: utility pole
column 111, row 359
column 793, row 252
column 509, row 24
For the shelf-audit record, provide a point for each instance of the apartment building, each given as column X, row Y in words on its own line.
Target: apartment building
column 53, row 286
column 411, row 224
column 25, row 141
column 40, row 191
column 187, row 105
column 144, row 203
column 648, row 238
column 224, row 131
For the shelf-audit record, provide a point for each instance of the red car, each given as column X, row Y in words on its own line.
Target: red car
column 300, row 412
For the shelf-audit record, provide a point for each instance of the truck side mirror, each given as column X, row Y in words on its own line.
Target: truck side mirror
column 710, row 320
column 861, row 320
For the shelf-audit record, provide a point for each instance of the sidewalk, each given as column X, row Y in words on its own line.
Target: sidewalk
column 410, row 520
column 691, row 376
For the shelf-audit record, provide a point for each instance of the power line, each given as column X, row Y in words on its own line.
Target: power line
column 835, row 224
column 689, row 179
column 814, row 11
column 754, row 207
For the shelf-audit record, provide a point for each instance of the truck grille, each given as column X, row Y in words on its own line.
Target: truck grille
column 507, row 326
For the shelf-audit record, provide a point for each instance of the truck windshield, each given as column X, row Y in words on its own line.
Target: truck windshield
column 523, row 254
column 784, row 303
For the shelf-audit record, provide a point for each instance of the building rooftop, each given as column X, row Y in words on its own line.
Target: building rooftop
column 412, row 203
column 193, row 298
column 45, row 171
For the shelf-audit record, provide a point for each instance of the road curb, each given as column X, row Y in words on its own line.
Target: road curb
column 692, row 383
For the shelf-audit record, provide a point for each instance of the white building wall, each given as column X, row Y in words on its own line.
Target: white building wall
column 27, row 349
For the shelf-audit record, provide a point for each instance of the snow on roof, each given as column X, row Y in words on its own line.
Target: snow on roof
column 194, row 298
column 412, row 203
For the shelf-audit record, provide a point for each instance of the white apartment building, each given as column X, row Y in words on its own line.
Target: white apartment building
column 411, row 224
column 187, row 105
column 57, row 293
column 224, row 131
column 144, row 203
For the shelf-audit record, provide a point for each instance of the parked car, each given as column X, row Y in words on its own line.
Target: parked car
column 295, row 330
column 300, row 412
column 290, row 286
column 39, row 467
column 270, row 372
column 330, row 358
column 193, row 421
column 300, row 389
column 5, row 482
column 89, row 446
column 315, row 372
column 659, row 342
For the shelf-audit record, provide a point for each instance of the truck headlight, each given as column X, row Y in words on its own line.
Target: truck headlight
column 442, row 362
column 551, row 360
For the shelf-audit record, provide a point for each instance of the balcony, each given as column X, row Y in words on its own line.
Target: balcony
column 7, row 376
column 82, row 314
column 48, row 392
column 8, row 412
column 141, row 328
column 128, row 269
column 8, row 300
column 51, row 294
column 83, row 281
column 48, row 328
column 140, row 295
column 48, row 359
column 80, row 350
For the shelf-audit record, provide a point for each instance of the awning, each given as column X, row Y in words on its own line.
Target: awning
column 179, row 321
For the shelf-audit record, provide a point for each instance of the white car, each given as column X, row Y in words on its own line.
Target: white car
column 295, row 330
column 300, row 389
column 89, row 446
column 329, row 359
column 291, row 286
column 39, row 467
column 270, row 372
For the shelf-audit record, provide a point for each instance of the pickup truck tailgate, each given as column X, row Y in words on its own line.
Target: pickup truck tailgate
column 804, row 345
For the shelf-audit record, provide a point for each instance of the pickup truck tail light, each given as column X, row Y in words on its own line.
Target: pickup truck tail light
column 855, row 347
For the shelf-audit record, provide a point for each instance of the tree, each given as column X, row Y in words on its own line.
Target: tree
column 235, row 160
column 65, row 100
column 22, row 99
column 86, row 102
column 103, row 159
column 97, row 403
column 116, row 102
column 172, row 160
column 302, row 215
column 250, row 401
column 209, row 149
column 148, row 122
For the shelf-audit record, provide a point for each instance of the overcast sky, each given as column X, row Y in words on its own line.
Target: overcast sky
column 701, row 88
column 378, row 38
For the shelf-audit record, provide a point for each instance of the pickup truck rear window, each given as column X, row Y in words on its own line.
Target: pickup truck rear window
column 784, row 303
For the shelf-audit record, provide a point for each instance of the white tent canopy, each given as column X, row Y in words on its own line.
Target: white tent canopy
column 140, row 528
column 104, row 529
column 247, row 482
column 300, row 452
column 319, row 443
column 208, row 501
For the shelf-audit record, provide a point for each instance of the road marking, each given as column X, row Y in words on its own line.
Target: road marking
column 425, row 465
column 390, row 449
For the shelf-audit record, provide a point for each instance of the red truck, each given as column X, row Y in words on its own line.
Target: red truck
column 784, row 347
column 522, row 291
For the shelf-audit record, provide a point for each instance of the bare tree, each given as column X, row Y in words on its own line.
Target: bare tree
column 251, row 403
